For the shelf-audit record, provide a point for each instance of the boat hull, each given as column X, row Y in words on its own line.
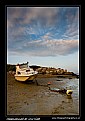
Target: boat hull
column 25, row 78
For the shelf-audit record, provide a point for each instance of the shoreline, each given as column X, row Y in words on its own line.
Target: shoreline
column 51, row 75
column 56, row 76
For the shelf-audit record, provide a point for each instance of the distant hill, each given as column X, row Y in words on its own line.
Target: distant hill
column 11, row 67
column 35, row 67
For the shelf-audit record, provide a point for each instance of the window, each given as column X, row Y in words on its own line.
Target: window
column 27, row 70
column 18, row 72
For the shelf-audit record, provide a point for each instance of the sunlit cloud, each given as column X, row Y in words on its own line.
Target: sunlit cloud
column 47, row 48
column 43, row 31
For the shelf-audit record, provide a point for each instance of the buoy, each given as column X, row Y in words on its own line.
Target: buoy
column 69, row 92
column 49, row 83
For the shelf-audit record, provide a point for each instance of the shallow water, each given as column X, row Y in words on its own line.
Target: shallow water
column 68, row 105
column 72, row 84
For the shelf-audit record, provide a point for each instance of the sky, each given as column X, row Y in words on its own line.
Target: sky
column 44, row 36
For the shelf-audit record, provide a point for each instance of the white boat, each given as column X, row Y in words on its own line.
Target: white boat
column 25, row 73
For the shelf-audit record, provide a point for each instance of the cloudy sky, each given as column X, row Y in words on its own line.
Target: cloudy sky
column 45, row 36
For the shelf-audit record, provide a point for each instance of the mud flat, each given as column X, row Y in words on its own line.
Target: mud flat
column 33, row 99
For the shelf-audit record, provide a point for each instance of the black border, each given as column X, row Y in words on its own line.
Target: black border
column 3, row 53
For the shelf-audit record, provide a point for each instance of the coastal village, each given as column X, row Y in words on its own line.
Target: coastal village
column 53, row 71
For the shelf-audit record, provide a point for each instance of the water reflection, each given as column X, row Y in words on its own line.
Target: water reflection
column 69, row 99
column 69, row 96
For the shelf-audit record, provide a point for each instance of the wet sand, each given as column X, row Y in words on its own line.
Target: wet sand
column 33, row 99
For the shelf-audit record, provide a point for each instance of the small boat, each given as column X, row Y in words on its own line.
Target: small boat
column 24, row 72
column 49, row 83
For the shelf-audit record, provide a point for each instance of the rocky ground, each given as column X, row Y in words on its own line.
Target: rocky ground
column 33, row 99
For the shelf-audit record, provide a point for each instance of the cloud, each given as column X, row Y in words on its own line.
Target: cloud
column 42, row 31
column 26, row 15
column 72, row 30
column 48, row 47
column 44, row 19
column 47, row 36
column 44, row 14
